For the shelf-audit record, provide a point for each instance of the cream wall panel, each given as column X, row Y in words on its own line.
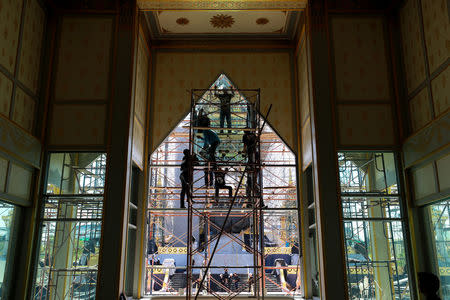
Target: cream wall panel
column 6, row 87
column 31, row 45
column 3, row 173
column 303, row 85
column 19, row 143
column 424, row 181
column 84, row 59
column 78, row 125
column 140, row 104
column 177, row 72
column 306, row 145
column 441, row 92
column 24, row 109
column 19, row 181
column 443, row 168
column 360, row 58
column 413, row 56
column 365, row 125
column 420, row 111
column 10, row 13
column 437, row 31
column 429, row 140
column 138, row 143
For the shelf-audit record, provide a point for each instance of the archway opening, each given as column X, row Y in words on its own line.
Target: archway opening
column 167, row 234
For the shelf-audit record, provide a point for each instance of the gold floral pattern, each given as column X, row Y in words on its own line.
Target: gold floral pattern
column 370, row 124
column 9, row 32
column 420, row 110
column 360, row 60
column 32, row 45
column 222, row 21
column 24, row 107
column 6, row 86
column 84, row 59
column 262, row 21
column 182, row 21
column 413, row 57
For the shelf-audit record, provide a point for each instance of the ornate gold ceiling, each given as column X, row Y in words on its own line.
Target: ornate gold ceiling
column 221, row 22
column 221, row 4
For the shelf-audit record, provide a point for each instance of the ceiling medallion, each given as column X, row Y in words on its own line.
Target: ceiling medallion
column 182, row 21
column 262, row 21
column 221, row 21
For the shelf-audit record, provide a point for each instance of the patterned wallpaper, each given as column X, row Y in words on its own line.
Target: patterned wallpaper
column 31, row 45
column 10, row 11
column 24, row 110
column 140, row 103
column 365, row 124
column 19, row 181
column 431, row 139
column 84, row 59
column 78, row 125
column 177, row 72
column 437, row 31
column 3, row 173
column 443, row 170
column 6, row 86
column 424, row 181
column 360, row 58
column 82, row 75
column 441, row 92
column 412, row 45
column 419, row 109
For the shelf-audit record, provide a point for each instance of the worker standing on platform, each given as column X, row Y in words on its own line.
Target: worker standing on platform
column 225, row 105
column 249, row 141
column 185, row 176
column 220, row 182
column 210, row 145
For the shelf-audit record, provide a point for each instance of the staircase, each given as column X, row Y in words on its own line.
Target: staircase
column 271, row 287
column 178, row 281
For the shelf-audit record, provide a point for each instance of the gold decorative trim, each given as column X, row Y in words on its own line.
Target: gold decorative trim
column 221, row 4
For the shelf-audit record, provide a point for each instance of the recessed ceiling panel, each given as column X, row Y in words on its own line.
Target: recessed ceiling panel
column 220, row 22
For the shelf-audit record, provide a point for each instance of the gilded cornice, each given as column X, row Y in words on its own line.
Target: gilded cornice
column 221, row 4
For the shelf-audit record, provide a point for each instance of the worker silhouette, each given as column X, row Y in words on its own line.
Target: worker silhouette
column 220, row 182
column 224, row 96
column 429, row 285
column 185, row 176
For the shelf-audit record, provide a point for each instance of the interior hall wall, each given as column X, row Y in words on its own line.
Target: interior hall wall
column 82, row 82
column 425, row 39
column 141, row 100
column 177, row 72
column 22, row 27
column 363, row 93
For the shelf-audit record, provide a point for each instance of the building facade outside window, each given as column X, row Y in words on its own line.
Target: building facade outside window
column 373, row 221
column 70, row 227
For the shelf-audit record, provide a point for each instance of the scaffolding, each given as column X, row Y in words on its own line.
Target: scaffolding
column 373, row 226
column 247, row 231
column 70, row 227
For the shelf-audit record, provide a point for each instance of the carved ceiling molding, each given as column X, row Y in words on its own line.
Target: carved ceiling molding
column 222, row 4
